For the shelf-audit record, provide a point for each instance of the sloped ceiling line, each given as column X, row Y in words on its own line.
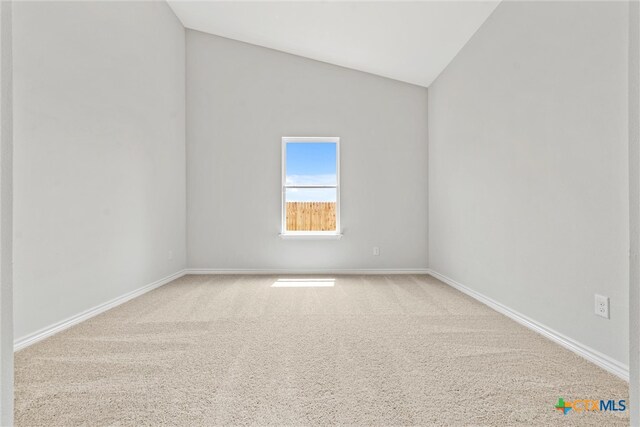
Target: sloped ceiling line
column 407, row 41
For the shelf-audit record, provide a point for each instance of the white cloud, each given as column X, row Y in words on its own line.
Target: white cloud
column 311, row 195
column 328, row 179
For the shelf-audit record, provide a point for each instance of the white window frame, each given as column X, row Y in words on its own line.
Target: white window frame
column 309, row 234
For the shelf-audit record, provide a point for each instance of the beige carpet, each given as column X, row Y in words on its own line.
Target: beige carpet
column 370, row 350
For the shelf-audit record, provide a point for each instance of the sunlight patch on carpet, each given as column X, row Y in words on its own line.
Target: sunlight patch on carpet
column 304, row 283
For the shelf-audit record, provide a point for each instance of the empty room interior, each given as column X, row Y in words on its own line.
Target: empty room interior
column 320, row 213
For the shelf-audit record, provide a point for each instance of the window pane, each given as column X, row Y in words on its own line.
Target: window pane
column 311, row 209
column 311, row 163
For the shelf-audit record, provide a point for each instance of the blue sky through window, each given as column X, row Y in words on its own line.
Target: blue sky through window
column 311, row 163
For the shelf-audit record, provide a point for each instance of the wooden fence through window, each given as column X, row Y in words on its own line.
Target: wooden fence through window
column 311, row 216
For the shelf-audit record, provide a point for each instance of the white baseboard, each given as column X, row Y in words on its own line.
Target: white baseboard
column 366, row 271
column 602, row 360
column 46, row 332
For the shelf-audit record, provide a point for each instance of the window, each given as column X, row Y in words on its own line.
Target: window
column 310, row 186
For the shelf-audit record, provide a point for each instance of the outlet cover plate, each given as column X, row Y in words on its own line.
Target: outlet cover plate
column 602, row 306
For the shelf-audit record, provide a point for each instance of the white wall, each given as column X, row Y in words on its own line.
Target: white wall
column 6, row 215
column 634, row 210
column 528, row 188
column 241, row 99
column 99, row 154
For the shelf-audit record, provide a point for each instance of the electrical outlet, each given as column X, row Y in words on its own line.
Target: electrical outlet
column 602, row 306
column 170, row 255
column 376, row 251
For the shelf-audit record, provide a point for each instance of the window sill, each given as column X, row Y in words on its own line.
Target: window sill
column 311, row 236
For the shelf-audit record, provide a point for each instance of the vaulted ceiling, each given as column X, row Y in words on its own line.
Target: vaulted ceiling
column 408, row 41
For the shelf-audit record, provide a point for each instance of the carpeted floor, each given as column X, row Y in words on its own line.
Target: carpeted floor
column 369, row 350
